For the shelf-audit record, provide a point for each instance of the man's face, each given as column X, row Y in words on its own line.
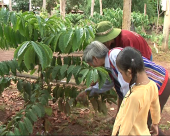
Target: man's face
column 97, row 62
column 108, row 44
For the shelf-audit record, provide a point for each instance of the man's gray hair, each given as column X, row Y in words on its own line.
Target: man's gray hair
column 94, row 49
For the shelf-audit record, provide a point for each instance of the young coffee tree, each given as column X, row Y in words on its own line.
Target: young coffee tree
column 35, row 40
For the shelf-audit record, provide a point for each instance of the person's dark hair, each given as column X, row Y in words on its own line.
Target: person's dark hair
column 130, row 58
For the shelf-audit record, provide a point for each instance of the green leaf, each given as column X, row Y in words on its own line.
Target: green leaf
column 53, row 62
column 19, row 85
column 4, row 68
column 79, row 34
column 89, row 78
column 95, row 75
column 30, row 30
column 48, row 52
column 43, row 100
column 70, row 69
column 84, row 73
column 22, row 27
column 67, row 108
column 36, row 34
column 22, row 128
column 22, row 48
column 12, row 66
column 63, row 69
column 87, row 35
column 1, row 31
column 69, row 77
column 6, row 32
column 76, row 70
column 27, row 88
column 101, row 78
column 91, row 32
column 67, row 37
column 42, row 54
column 75, row 44
column 32, row 115
column 67, row 60
column 103, row 70
column 32, row 71
column 55, row 71
column 48, row 110
column 49, row 39
column 55, row 41
column 16, row 131
column 59, row 62
column 61, row 42
column 94, row 104
column 29, row 58
column 10, row 133
column 13, row 19
column 28, row 125
column 42, row 109
column 37, row 110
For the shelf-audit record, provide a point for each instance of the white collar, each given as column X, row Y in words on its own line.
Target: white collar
column 107, row 62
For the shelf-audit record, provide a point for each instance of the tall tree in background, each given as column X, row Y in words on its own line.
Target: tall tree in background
column 2, row 3
column 101, row 10
column 62, row 8
column 30, row 5
column 166, row 26
column 44, row 5
column 10, row 5
column 92, row 7
column 126, row 14
column 51, row 4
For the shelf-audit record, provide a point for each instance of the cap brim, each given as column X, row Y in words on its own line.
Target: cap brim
column 113, row 34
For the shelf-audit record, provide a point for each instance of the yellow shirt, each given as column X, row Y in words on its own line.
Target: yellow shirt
column 133, row 113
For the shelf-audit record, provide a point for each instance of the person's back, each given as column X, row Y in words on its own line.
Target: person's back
column 129, row 38
column 144, row 97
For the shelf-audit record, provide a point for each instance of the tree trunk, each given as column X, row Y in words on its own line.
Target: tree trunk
column 126, row 14
column 2, row 3
column 62, row 8
column 158, row 8
column 92, row 7
column 145, row 9
column 101, row 10
column 30, row 5
column 44, row 5
column 10, row 5
column 61, row 11
column 166, row 26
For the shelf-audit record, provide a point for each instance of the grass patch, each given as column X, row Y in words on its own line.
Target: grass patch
column 2, row 107
column 165, row 126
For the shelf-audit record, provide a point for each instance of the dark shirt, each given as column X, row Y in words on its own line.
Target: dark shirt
column 129, row 38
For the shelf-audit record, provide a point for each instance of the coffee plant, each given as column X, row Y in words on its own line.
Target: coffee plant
column 35, row 41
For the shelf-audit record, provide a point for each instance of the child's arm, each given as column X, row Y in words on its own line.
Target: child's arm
column 154, row 129
column 155, row 114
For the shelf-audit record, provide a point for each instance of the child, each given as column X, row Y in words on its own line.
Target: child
column 142, row 97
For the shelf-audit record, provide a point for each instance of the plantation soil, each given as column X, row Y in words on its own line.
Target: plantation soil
column 82, row 121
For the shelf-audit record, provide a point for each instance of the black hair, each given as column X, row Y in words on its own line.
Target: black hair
column 130, row 58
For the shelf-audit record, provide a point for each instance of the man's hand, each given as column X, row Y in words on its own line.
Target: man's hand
column 154, row 130
column 92, row 84
column 82, row 96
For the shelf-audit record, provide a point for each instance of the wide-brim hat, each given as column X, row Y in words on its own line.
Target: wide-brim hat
column 105, row 31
